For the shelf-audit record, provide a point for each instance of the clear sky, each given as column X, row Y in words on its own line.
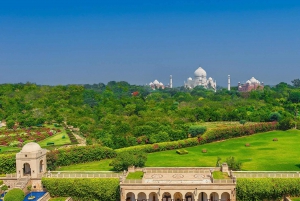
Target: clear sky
column 77, row 42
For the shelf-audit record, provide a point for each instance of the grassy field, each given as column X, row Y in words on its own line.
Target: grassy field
column 57, row 139
column 135, row 175
column 58, row 199
column 295, row 199
column 263, row 154
column 11, row 149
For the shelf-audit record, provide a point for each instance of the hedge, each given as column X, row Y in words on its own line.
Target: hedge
column 7, row 163
column 209, row 136
column 78, row 154
column 15, row 194
column 83, row 189
column 258, row 189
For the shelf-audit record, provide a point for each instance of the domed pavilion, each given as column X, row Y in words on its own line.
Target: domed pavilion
column 200, row 80
column 31, row 161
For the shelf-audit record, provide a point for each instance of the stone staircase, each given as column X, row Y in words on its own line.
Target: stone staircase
column 22, row 182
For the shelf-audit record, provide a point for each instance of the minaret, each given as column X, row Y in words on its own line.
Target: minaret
column 171, row 84
column 228, row 82
column 215, row 85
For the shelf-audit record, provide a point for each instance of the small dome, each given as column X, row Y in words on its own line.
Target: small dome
column 209, row 78
column 150, row 83
column 190, row 78
column 156, row 82
column 248, row 82
column 200, row 72
column 31, row 147
column 161, row 83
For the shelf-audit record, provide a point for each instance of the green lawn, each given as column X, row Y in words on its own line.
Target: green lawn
column 12, row 149
column 58, row 199
column 57, row 139
column 295, row 199
column 102, row 165
column 135, row 175
column 262, row 154
column 220, row 175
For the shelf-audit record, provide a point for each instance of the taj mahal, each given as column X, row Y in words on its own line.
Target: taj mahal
column 201, row 80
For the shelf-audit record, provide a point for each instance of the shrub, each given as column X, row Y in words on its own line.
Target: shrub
column 266, row 188
column 204, row 151
column 274, row 116
column 196, row 130
column 15, row 194
column 233, row 164
column 127, row 159
column 80, row 154
column 243, row 122
column 8, row 163
column 84, row 189
column 181, row 151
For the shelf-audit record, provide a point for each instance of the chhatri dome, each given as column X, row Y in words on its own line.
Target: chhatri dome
column 200, row 80
column 31, row 147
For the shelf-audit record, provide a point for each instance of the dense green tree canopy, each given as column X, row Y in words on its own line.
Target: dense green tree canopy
column 119, row 114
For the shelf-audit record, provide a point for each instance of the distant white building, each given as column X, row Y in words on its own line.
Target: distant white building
column 200, row 80
column 156, row 85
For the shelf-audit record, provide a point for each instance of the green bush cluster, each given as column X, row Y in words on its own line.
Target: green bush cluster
column 127, row 159
column 79, row 154
column 195, row 130
column 84, row 189
column 15, row 194
column 209, row 136
column 181, row 151
column 237, row 131
column 7, row 163
column 258, row 189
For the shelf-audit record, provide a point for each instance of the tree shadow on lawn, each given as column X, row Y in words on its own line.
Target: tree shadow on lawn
column 298, row 165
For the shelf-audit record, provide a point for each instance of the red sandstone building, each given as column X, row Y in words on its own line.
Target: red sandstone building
column 252, row 84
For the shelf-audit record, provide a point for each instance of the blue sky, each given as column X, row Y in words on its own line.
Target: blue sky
column 77, row 42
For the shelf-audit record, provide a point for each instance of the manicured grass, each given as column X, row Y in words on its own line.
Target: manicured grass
column 295, row 199
column 263, row 154
column 102, row 165
column 220, row 175
column 11, row 149
column 135, row 175
column 57, row 139
column 58, row 199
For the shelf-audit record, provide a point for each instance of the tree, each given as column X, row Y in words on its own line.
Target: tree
column 296, row 82
column 127, row 159
column 243, row 121
column 233, row 164
column 274, row 116
column 295, row 96
column 10, row 124
column 196, row 130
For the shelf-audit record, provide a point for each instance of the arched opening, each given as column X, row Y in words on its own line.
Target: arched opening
column 130, row 197
column 153, row 197
column 189, row 196
column 178, row 196
column 41, row 166
column 26, row 169
column 141, row 197
column 166, row 197
column 214, row 196
column 225, row 196
column 202, row 196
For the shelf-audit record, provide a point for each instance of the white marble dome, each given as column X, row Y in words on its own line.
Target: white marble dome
column 200, row 72
column 156, row 82
column 31, row 147
column 190, row 78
